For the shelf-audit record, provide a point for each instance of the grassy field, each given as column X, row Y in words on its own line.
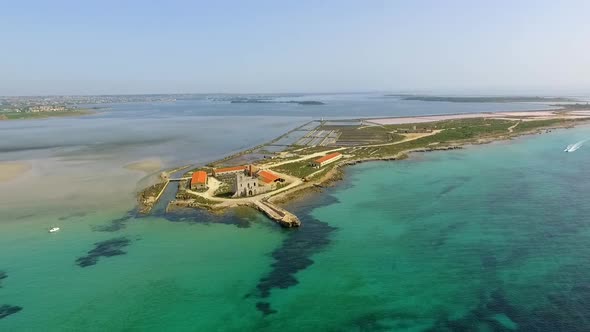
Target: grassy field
column 299, row 169
column 525, row 126
column 453, row 132
column 355, row 135
column 462, row 131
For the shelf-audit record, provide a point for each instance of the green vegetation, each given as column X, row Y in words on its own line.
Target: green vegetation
column 490, row 124
column 224, row 190
column 185, row 195
column 460, row 131
column 281, row 185
column 525, row 126
column 573, row 107
column 299, row 169
column 355, row 135
column 40, row 115
column 452, row 132
column 147, row 197
column 203, row 201
column 321, row 172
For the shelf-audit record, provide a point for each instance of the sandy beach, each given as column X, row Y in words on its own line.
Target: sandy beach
column 12, row 170
column 527, row 116
column 146, row 165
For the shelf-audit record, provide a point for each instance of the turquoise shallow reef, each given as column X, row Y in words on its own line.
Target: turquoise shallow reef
column 489, row 238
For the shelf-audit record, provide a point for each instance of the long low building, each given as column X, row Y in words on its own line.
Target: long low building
column 229, row 170
column 327, row 159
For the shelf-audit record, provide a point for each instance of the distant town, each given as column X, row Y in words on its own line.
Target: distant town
column 21, row 107
column 27, row 107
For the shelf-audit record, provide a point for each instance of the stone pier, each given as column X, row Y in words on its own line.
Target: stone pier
column 278, row 214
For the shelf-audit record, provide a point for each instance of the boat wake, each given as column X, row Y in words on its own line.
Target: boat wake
column 574, row 147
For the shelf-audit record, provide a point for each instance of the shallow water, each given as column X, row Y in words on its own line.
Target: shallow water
column 487, row 238
column 490, row 238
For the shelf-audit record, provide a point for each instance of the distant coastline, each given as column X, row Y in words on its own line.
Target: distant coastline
column 270, row 101
column 7, row 116
column 483, row 99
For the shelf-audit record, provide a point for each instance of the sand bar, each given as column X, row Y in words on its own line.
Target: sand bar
column 433, row 118
column 13, row 169
column 146, row 165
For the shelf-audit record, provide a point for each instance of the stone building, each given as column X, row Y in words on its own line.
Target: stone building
column 246, row 185
column 228, row 171
column 199, row 181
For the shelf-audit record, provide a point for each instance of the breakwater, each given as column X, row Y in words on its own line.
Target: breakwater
column 278, row 214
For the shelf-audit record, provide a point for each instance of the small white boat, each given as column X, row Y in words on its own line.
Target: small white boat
column 574, row 147
column 54, row 229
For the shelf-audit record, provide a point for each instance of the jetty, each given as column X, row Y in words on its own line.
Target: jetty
column 278, row 214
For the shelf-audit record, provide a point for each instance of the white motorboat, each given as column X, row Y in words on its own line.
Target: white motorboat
column 574, row 147
column 54, row 229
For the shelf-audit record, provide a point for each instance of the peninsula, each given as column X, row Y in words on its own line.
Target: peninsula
column 27, row 108
column 25, row 115
column 321, row 149
column 484, row 99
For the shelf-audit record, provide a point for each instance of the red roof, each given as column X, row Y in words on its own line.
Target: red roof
column 230, row 169
column 327, row 157
column 267, row 177
column 199, row 177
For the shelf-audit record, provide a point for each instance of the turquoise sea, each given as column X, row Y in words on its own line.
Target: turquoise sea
column 488, row 238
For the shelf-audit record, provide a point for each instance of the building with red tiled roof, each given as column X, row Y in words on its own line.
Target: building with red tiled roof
column 199, row 180
column 329, row 158
column 268, row 177
column 229, row 170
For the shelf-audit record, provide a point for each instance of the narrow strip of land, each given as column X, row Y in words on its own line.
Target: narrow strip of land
column 301, row 167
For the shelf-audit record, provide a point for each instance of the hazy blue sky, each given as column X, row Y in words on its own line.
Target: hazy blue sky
column 92, row 47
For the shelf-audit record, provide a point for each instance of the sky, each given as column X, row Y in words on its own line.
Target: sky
column 453, row 46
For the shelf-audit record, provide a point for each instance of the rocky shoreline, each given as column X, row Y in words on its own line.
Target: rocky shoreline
column 336, row 174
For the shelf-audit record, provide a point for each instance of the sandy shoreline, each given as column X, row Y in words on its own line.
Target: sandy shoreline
column 531, row 115
column 13, row 169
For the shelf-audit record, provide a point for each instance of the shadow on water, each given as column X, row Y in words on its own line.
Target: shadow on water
column 295, row 252
column 108, row 248
column 116, row 224
column 240, row 217
column 292, row 257
column 566, row 309
column 73, row 215
column 6, row 309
